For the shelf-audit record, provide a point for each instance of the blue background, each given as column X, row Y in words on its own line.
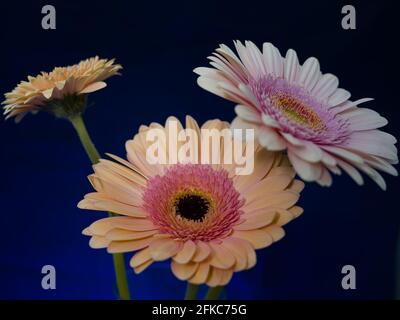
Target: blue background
column 44, row 168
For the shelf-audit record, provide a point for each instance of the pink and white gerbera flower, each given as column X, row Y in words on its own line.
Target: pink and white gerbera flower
column 296, row 108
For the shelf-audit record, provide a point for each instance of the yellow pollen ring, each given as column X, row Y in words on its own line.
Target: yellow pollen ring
column 297, row 111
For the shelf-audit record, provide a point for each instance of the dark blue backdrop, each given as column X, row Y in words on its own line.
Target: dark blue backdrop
column 44, row 169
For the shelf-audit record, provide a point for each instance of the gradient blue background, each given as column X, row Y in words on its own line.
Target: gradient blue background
column 44, row 168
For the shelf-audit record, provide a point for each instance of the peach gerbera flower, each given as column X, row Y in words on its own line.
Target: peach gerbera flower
column 297, row 108
column 204, row 218
column 48, row 89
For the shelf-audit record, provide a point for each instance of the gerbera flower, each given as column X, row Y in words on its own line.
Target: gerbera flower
column 61, row 91
column 204, row 218
column 296, row 108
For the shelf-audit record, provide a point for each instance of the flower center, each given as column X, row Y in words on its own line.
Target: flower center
column 191, row 206
column 193, row 201
column 297, row 111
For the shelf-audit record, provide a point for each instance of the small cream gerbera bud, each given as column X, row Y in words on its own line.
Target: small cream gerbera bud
column 62, row 91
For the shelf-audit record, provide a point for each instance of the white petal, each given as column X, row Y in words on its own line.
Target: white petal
column 306, row 170
column 270, row 139
column 309, row 73
column 351, row 171
column 308, row 152
column 266, row 119
column 338, row 97
column 344, row 153
column 291, row 66
column 248, row 113
column 325, row 86
column 272, row 59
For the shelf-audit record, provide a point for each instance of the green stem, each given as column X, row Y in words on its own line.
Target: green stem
column 213, row 293
column 191, row 291
column 94, row 156
column 79, row 125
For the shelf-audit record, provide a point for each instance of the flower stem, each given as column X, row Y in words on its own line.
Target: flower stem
column 213, row 293
column 94, row 156
column 191, row 291
column 79, row 125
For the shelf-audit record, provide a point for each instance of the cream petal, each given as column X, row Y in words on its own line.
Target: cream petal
column 124, row 235
column 215, row 277
column 120, row 192
column 296, row 186
column 240, row 249
column 141, row 179
column 284, row 170
column 142, row 267
column 201, row 274
column 263, row 162
column 221, row 257
column 165, row 248
column 282, row 199
column 283, row 217
column 226, row 277
column 257, row 219
column 135, row 224
column 128, row 246
column 98, row 242
column 140, row 257
column 98, row 201
column 124, row 172
column 94, row 87
column 268, row 184
column 184, row 271
column 275, row 232
column 186, row 253
column 296, row 211
column 258, row 238
column 102, row 226
column 203, row 251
